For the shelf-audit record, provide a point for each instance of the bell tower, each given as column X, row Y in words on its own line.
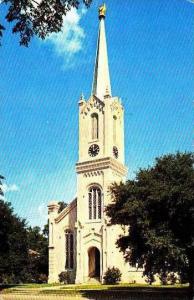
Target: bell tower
column 101, row 155
column 101, row 118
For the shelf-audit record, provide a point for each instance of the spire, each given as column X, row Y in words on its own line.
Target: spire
column 101, row 80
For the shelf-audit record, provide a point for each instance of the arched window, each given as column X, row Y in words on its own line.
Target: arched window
column 94, row 126
column 69, row 249
column 95, row 203
column 114, row 129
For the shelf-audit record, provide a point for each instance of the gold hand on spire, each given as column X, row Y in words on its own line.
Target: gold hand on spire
column 102, row 11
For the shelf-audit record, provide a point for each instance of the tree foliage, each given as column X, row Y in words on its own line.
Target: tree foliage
column 1, row 185
column 38, row 253
column 37, row 17
column 23, row 249
column 13, row 246
column 157, row 210
column 62, row 205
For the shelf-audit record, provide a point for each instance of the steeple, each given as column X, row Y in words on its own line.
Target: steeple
column 101, row 80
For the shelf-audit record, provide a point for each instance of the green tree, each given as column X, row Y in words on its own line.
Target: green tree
column 13, row 246
column 62, row 205
column 157, row 208
column 46, row 230
column 23, row 250
column 37, row 17
column 38, row 252
column 1, row 185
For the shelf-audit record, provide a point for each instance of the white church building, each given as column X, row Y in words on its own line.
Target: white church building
column 81, row 241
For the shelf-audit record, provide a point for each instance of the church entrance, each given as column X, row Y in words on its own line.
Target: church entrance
column 94, row 263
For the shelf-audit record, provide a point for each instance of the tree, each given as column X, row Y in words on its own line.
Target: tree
column 157, row 208
column 37, row 17
column 1, row 185
column 38, row 253
column 46, row 230
column 23, row 250
column 13, row 246
column 62, row 205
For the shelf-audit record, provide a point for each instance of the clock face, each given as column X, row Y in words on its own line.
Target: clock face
column 115, row 152
column 93, row 150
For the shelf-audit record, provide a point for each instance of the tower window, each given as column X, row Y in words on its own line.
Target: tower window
column 94, row 126
column 95, row 203
column 69, row 240
column 114, row 129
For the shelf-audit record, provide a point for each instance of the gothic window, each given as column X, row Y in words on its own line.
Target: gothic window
column 69, row 249
column 114, row 129
column 94, row 126
column 90, row 205
column 95, row 203
column 99, row 207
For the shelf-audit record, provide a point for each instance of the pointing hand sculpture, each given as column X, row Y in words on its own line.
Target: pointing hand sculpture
column 102, row 11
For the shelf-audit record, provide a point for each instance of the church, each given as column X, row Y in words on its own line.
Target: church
column 81, row 241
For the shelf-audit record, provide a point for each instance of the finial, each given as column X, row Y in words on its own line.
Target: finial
column 82, row 97
column 102, row 11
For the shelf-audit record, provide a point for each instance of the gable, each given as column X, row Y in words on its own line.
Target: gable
column 93, row 103
column 69, row 211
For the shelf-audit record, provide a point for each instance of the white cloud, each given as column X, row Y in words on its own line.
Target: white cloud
column 41, row 215
column 69, row 40
column 191, row 1
column 10, row 188
column 42, row 208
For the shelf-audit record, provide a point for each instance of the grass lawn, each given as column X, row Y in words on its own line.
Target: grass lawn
column 61, row 288
column 97, row 291
column 32, row 285
column 122, row 286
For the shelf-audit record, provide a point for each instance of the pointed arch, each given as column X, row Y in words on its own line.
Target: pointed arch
column 95, row 203
column 93, row 262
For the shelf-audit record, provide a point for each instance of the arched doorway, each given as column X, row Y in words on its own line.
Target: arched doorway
column 94, row 262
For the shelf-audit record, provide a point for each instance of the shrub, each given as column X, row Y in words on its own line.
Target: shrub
column 112, row 276
column 169, row 278
column 43, row 278
column 163, row 278
column 64, row 277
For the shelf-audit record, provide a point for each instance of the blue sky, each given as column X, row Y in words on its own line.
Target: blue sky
column 150, row 56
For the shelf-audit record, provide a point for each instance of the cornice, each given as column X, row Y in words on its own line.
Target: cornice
column 101, row 164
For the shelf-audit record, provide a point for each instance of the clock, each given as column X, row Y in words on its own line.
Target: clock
column 115, row 152
column 93, row 150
